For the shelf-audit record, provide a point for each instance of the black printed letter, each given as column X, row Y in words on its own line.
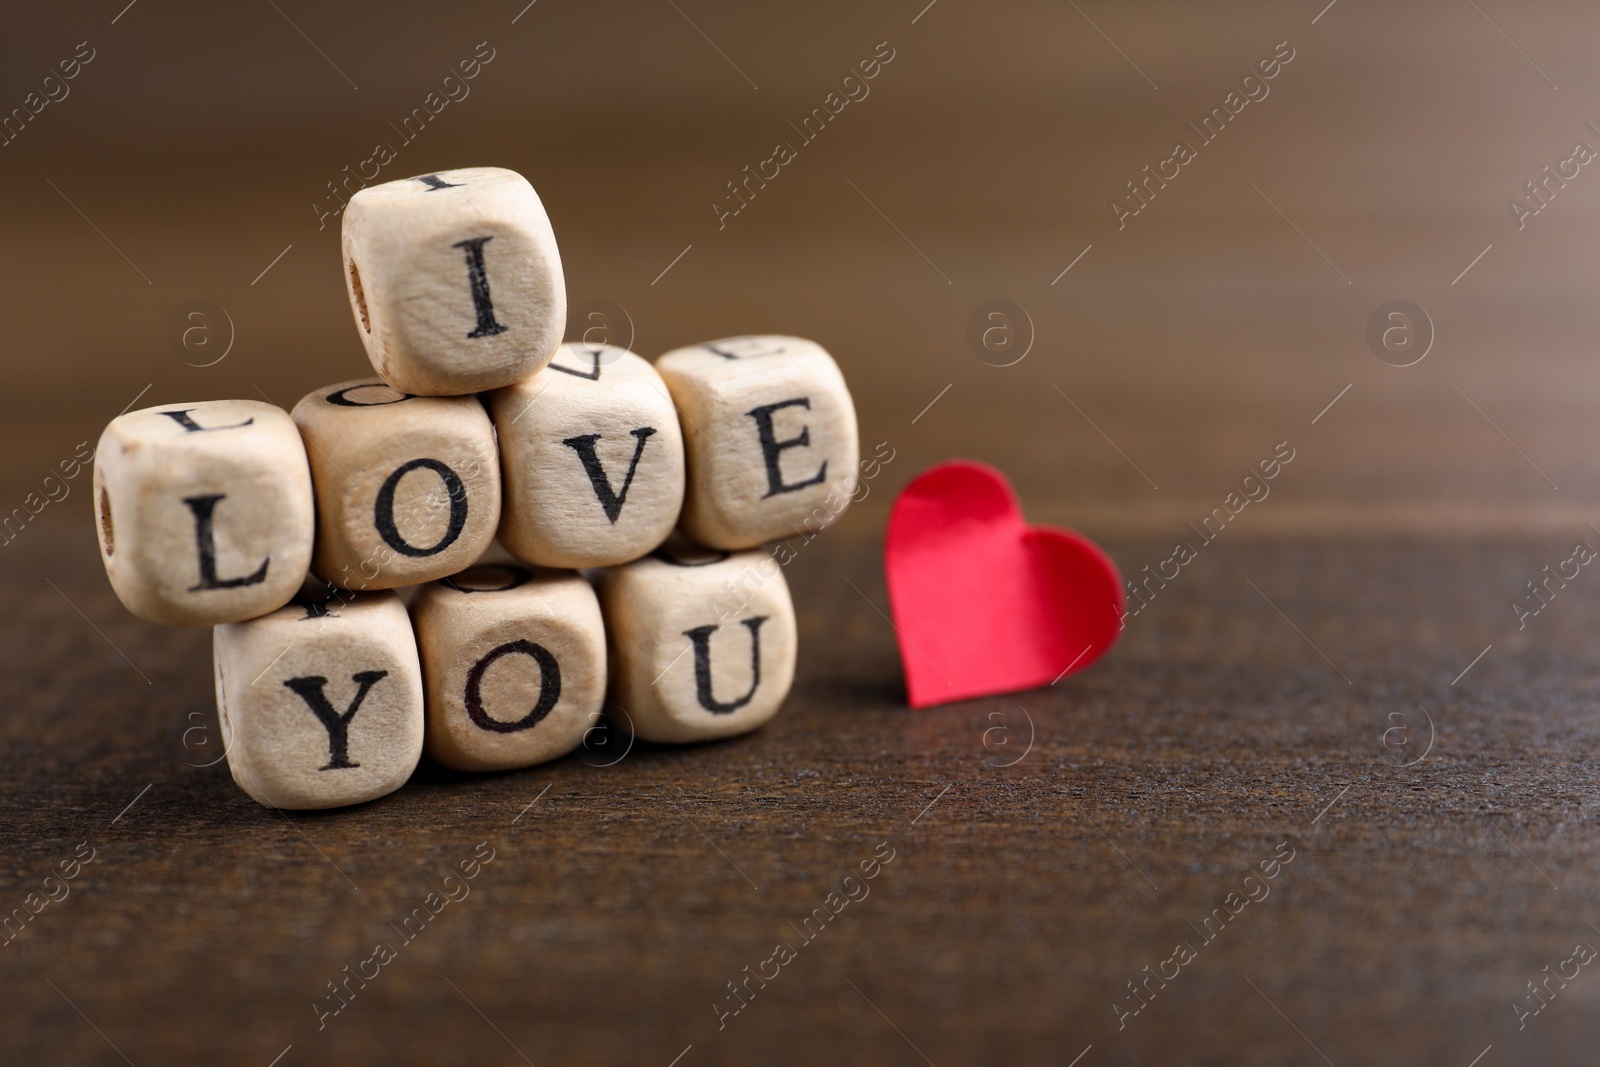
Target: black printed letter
column 701, row 636
column 182, row 419
column 202, row 506
column 549, row 687
column 479, row 281
column 309, row 689
column 340, row 397
column 771, row 447
column 584, row 447
column 592, row 375
column 383, row 510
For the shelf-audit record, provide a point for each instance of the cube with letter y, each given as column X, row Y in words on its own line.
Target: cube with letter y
column 204, row 510
column 321, row 701
column 455, row 280
column 769, row 431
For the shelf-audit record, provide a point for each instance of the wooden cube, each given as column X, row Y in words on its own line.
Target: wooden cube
column 592, row 458
column 513, row 665
column 321, row 701
column 408, row 487
column 701, row 644
column 770, row 434
column 455, row 280
column 204, row 510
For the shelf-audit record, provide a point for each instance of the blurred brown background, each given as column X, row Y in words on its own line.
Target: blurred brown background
column 186, row 163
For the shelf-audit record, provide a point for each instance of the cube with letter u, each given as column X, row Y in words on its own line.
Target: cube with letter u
column 701, row 643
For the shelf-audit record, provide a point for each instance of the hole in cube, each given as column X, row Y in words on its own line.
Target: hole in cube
column 361, row 297
column 107, row 539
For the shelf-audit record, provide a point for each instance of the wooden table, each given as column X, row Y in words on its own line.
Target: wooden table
column 1339, row 678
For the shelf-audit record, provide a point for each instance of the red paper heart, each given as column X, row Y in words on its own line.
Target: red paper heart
column 984, row 603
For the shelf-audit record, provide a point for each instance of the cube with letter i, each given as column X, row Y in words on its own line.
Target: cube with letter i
column 455, row 280
column 204, row 510
column 770, row 434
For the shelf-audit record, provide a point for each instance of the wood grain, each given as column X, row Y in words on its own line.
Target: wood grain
column 1021, row 899
column 1259, row 701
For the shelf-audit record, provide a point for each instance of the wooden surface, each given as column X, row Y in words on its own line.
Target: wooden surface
column 1255, row 702
column 1017, row 907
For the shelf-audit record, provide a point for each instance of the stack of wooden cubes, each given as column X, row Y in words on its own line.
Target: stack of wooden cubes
column 635, row 496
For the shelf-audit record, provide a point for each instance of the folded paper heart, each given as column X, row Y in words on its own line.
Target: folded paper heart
column 984, row 603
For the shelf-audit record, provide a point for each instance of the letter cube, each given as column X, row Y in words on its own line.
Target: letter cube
column 321, row 701
column 455, row 280
column 701, row 644
column 408, row 487
column 770, row 434
column 592, row 458
column 204, row 510
column 513, row 664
